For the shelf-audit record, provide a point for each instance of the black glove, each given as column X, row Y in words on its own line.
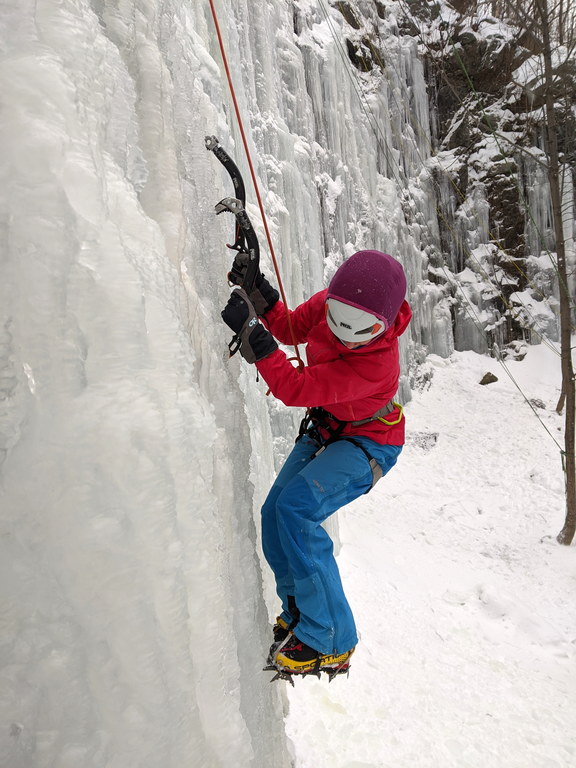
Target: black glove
column 239, row 267
column 239, row 315
column 262, row 296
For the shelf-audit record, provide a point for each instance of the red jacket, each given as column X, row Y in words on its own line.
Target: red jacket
column 352, row 384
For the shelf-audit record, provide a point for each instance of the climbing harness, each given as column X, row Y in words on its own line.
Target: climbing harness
column 317, row 418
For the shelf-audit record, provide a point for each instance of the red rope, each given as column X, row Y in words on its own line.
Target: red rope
column 254, row 181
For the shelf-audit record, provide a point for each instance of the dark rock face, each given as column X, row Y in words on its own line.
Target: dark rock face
column 349, row 14
column 491, row 248
column 491, row 130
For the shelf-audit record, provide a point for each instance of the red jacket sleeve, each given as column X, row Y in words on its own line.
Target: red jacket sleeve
column 336, row 381
column 303, row 319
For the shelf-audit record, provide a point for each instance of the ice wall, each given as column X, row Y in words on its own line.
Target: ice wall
column 133, row 625
column 133, row 455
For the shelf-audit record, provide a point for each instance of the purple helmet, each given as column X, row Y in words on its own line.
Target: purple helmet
column 370, row 281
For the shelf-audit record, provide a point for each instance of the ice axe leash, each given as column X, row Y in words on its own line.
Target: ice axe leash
column 246, row 241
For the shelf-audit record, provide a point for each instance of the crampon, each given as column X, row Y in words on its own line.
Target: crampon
column 293, row 658
column 283, row 674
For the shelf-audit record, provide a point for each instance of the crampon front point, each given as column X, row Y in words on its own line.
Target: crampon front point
column 317, row 670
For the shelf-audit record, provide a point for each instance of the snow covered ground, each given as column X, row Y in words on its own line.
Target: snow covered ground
column 464, row 601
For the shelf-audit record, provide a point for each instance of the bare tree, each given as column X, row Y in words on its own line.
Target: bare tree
column 552, row 25
column 566, row 535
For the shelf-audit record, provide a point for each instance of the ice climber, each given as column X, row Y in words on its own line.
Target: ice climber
column 352, row 434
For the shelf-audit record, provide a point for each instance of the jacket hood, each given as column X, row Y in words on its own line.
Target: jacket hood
column 402, row 320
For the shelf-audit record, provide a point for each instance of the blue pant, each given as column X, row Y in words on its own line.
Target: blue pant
column 298, row 549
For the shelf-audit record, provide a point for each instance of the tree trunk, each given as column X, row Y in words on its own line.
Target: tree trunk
column 566, row 535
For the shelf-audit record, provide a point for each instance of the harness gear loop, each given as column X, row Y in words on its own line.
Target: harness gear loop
column 317, row 418
column 400, row 415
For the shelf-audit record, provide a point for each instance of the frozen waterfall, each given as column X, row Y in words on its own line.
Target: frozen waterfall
column 133, row 455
